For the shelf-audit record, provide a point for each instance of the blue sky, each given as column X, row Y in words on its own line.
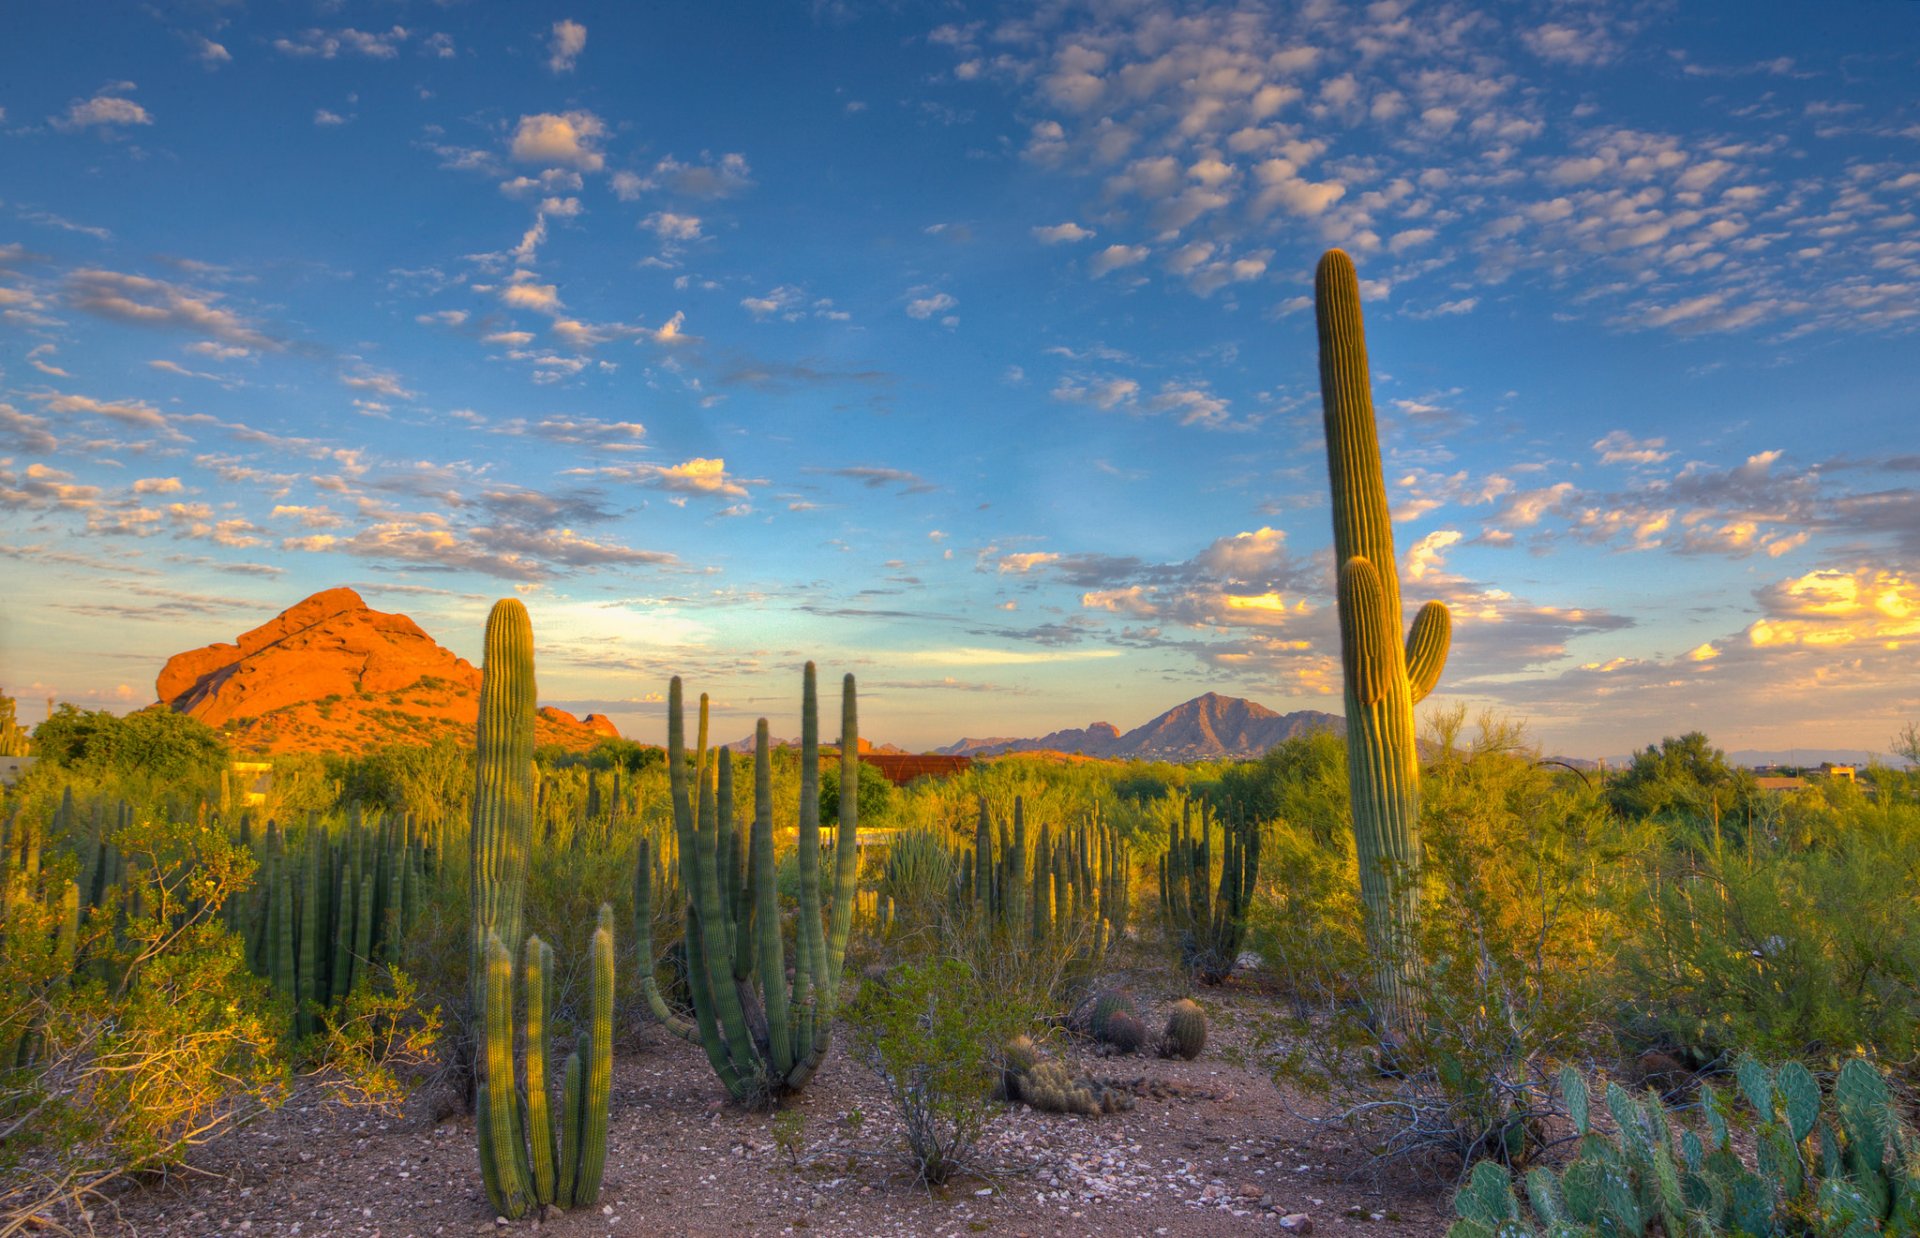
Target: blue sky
column 968, row 348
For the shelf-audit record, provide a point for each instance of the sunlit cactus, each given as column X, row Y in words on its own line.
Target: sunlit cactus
column 1385, row 677
column 765, row 1035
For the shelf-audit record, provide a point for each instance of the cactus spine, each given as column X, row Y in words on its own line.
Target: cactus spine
column 763, row 1036
column 1384, row 678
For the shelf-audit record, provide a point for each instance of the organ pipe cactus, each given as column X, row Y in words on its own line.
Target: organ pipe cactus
column 519, row 1160
column 765, row 1036
column 1207, row 916
column 1384, row 677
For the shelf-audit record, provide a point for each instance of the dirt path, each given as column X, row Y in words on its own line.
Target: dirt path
column 1219, row 1150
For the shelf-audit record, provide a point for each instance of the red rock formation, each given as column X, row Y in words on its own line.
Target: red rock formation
column 331, row 675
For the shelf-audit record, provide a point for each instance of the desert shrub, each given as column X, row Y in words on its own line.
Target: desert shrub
column 933, row 1031
column 433, row 781
column 1514, row 946
column 145, row 1038
column 150, row 747
column 1810, row 952
column 1306, row 917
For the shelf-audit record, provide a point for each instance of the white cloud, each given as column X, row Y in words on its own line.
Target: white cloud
column 1619, row 447
column 927, row 307
column 564, row 48
column 1114, row 258
column 560, row 139
column 671, row 227
column 1059, row 233
column 106, row 108
column 327, row 44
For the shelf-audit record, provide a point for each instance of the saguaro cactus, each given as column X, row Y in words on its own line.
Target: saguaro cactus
column 1384, row 679
column 763, row 1035
column 503, row 785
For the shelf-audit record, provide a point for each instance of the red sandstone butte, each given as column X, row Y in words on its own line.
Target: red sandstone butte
column 331, row 675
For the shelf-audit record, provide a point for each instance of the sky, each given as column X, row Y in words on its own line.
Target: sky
column 970, row 349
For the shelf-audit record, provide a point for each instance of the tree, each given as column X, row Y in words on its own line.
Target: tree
column 1684, row 778
column 875, row 795
column 154, row 743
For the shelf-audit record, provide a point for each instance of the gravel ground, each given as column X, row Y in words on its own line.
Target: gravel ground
column 1211, row 1148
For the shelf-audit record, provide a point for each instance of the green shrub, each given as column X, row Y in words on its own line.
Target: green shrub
column 1514, row 951
column 1780, row 949
column 933, row 1032
column 143, row 1038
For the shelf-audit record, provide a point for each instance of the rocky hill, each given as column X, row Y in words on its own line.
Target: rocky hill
column 331, row 675
column 1205, row 728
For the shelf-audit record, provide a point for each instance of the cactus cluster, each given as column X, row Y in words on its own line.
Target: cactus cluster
column 516, row 1136
column 764, row 1035
column 1852, row 1170
column 1384, row 677
column 1205, row 914
column 527, row 1160
column 1070, row 888
column 1042, row 1082
column 325, row 907
column 1111, row 1017
column 917, row 877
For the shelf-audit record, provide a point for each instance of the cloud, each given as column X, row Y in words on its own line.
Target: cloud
column 1619, row 447
column 878, row 478
column 1062, row 233
column 566, row 139
column 1114, row 258
column 210, row 53
column 136, row 413
column 669, row 226
column 528, row 295
column 147, row 302
column 25, row 433
column 699, row 476
column 564, row 48
column 105, row 108
column 328, row 44
column 927, row 307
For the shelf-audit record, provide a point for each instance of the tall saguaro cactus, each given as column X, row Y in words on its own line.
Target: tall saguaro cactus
column 1384, row 679
column 503, row 787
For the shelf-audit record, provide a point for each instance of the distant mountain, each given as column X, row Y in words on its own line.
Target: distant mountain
column 1205, row 728
column 330, row 675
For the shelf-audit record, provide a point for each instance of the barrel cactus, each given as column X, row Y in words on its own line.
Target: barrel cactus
column 1186, row 1033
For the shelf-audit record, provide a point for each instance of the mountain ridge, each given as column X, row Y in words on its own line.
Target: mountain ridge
column 1208, row 727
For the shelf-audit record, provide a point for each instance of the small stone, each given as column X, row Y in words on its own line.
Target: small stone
column 1297, row 1223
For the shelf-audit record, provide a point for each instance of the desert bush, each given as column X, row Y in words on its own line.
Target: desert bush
column 141, row 1038
column 1513, row 958
column 148, row 748
column 933, row 1031
column 1783, row 950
